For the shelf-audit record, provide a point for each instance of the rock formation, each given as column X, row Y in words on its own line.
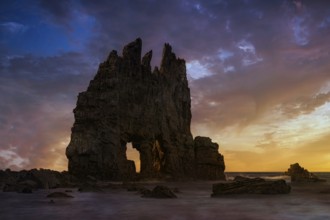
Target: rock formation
column 127, row 102
column 59, row 195
column 299, row 174
column 243, row 185
column 161, row 192
column 210, row 164
column 20, row 181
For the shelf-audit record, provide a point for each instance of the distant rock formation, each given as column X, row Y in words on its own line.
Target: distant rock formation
column 28, row 180
column 127, row 102
column 299, row 174
column 244, row 185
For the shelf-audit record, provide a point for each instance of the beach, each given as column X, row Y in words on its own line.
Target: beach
column 306, row 201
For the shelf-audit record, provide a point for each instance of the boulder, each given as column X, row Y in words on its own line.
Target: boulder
column 59, row 195
column 144, row 191
column 11, row 188
column 243, row 185
column 161, row 192
column 90, row 187
column 26, row 190
column 299, row 174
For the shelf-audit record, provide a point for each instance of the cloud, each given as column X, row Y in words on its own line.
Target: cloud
column 13, row 27
column 59, row 11
column 254, row 67
column 314, row 156
column 10, row 159
column 229, row 69
column 267, row 141
column 197, row 70
column 299, row 5
column 300, row 31
column 325, row 23
column 225, row 54
column 246, row 46
column 38, row 95
column 305, row 105
column 250, row 56
column 203, row 26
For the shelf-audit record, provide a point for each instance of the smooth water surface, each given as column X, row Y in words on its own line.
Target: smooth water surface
column 306, row 201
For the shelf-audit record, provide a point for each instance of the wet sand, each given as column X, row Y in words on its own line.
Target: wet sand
column 306, row 201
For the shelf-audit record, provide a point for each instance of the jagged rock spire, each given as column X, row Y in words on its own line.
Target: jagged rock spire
column 126, row 102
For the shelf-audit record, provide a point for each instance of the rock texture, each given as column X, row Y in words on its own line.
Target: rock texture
column 243, row 185
column 161, row 192
column 209, row 163
column 299, row 174
column 28, row 180
column 127, row 102
column 59, row 195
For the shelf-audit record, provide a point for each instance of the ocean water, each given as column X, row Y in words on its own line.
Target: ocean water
column 306, row 201
column 273, row 175
column 265, row 175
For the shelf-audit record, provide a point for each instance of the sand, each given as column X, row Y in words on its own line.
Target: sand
column 306, row 201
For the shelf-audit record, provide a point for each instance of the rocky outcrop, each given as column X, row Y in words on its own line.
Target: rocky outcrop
column 210, row 164
column 59, row 195
column 28, row 180
column 127, row 102
column 243, row 185
column 299, row 174
column 160, row 192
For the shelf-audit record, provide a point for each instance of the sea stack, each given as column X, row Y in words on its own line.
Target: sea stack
column 127, row 102
column 300, row 174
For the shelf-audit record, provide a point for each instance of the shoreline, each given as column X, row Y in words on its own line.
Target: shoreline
column 306, row 201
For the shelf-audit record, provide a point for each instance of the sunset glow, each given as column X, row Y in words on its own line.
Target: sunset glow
column 258, row 71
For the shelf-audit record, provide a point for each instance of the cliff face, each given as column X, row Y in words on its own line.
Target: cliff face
column 127, row 102
column 209, row 163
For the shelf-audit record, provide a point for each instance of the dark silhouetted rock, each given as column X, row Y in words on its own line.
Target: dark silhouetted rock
column 11, row 188
column 176, row 190
column 127, row 102
column 46, row 179
column 26, row 190
column 210, row 164
column 59, row 195
column 144, row 191
column 161, row 192
column 26, row 186
column 299, row 174
column 86, row 187
column 29, row 183
column 12, row 181
column 244, row 185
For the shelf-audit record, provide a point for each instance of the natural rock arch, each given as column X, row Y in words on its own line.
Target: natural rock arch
column 127, row 102
column 134, row 155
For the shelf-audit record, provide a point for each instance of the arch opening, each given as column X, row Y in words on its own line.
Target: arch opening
column 134, row 155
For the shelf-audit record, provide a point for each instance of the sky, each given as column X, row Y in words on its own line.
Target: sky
column 259, row 74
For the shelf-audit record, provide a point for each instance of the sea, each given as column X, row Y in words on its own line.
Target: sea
column 273, row 175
